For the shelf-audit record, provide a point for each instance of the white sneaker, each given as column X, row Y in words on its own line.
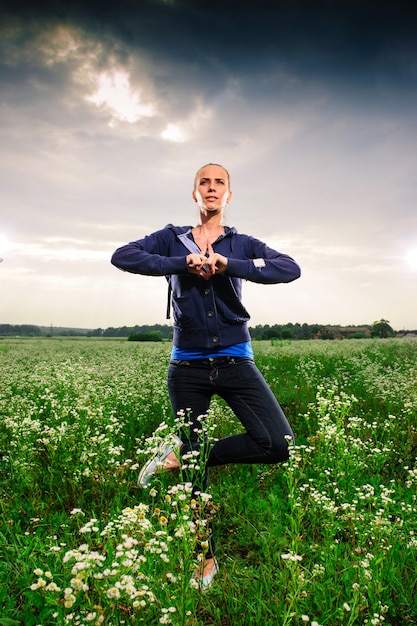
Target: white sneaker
column 204, row 582
column 154, row 463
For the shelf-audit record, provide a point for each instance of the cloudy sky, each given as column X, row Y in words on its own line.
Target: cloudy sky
column 109, row 108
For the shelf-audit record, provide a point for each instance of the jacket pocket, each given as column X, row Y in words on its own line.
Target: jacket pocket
column 232, row 310
column 184, row 312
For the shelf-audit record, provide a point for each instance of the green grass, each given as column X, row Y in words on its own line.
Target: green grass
column 328, row 538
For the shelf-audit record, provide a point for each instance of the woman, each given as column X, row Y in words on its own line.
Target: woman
column 212, row 352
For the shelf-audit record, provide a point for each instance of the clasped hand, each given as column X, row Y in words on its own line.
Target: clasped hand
column 206, row 266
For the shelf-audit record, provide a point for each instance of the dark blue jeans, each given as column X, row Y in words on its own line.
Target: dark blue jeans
column 191, row 385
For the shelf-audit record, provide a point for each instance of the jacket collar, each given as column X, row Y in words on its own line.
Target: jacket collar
column 179, row 230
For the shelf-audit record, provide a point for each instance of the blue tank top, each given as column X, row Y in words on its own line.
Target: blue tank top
column 243, row 350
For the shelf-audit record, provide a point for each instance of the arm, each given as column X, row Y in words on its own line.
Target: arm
column 263, row 264
column 150, row 256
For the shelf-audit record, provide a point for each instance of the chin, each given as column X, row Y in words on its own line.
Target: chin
column 207, row 210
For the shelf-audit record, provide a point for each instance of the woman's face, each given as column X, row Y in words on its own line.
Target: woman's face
column 211, row 190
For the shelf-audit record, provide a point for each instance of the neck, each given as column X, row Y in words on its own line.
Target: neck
column 211, row 223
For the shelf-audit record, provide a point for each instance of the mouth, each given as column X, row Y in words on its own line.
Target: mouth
column 211, row 198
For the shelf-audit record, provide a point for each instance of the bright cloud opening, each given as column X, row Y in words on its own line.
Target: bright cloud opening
column 4, row 246
column 115, row 93
column 173, row 133
column 411, row 258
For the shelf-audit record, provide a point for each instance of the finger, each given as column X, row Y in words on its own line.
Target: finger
column 204, row 275
column 196, row 260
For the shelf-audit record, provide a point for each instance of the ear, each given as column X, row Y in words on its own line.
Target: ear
column 194, row 197
column 229, row 197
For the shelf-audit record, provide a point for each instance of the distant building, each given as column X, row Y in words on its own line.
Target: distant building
column 342, row 332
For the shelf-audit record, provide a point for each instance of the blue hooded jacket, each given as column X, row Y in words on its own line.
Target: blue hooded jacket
column 207, row 314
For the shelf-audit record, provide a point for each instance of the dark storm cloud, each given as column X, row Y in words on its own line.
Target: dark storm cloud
column 355, row 38
column 360, row 50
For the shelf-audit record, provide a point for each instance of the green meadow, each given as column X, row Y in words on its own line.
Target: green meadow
column 329, row 538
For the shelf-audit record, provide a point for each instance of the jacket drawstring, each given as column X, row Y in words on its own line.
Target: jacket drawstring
column 168, row 314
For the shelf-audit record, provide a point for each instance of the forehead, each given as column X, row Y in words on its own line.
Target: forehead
column 211, row 171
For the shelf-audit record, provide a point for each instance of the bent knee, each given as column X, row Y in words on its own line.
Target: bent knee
column 279, row 450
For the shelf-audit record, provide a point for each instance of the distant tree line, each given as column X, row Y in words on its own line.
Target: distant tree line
column 380, row 329
column 165, row 331
column 285, row 331
column 152, row 335
column 21, row 330
column 161, row 332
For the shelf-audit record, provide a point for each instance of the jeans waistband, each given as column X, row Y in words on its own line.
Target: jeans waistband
column 211, row 362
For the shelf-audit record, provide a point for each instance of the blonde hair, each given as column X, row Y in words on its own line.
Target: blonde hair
column 206, row 165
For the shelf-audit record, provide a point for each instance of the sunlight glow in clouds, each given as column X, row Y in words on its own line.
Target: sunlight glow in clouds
column 64, row 250
column 4, row 246
column 173, row 133
column 58, row 43
column 57, row 249
column 114, row 92
column 112, row 89
column 411, row 258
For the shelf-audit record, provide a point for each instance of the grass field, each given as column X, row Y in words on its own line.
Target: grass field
column 328, row 539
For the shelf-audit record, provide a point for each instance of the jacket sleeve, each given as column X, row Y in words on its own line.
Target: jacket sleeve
column 263, row 264
column 150, row 256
